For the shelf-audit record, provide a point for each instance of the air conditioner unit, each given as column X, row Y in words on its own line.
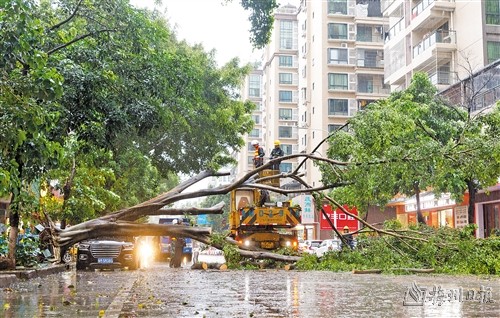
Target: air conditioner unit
column 343, row 44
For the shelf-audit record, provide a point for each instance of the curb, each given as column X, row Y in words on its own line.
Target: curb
column 13, row 276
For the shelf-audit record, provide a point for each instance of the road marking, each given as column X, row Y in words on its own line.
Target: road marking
column 115, row 308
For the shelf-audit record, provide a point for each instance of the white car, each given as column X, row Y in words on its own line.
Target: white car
column 309, row 246
column 328, row 245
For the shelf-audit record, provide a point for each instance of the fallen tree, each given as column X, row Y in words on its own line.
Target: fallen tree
column 126, row 222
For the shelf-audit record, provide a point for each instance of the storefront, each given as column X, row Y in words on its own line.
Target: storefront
column 488, row 211
column 437, row 211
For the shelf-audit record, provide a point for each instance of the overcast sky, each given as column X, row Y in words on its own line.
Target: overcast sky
column 223, row 27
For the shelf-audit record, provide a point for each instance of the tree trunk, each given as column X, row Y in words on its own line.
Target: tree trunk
column 14, row 231
column 420, row 217
column 472, row 201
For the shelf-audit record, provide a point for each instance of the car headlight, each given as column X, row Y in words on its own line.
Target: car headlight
column 247, row 242
column 288, row 243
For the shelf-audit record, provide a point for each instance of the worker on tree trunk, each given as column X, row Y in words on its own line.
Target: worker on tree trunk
column 258, row 158
column 276, row 153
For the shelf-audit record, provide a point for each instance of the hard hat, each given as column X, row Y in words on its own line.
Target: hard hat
column 346, row 227
column 276, row 142
column 254, row 142
column 175, row 221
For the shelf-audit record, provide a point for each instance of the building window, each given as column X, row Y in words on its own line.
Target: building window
column 285, row 167
column 334, row 127
column 287, row 149
column 364, row 33
column 337, row 6
column 338, row 107
column 285, row 96
column 285, row 114
column 254, row 85
column 256, row 119
column 337, row 81
column 365, row 83
column 337, row 56
column 250, row 160
column 493, row 12
column 254, row 133
column 337, row 31
column 286, row 34
column 369, row 58
column 285, row 78
column 284, row 132
column 493, row 51
column 286, row 61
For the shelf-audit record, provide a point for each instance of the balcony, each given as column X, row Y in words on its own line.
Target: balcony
column 431, row 13
column 369, row 88
column 486, row 99
column 391, row 7
column 370, row 58
column 439, row 40
column 443, row 79
column 371, row 85
column 369, row 33
column 396, row 29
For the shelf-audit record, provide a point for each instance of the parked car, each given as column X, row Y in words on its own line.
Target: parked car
column 309, row 246
column 107, row 252
column 328, row 245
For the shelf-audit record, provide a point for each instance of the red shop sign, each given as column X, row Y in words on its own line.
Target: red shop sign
column 339, row 218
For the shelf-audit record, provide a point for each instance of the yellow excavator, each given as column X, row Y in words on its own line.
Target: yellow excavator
column 257, row 220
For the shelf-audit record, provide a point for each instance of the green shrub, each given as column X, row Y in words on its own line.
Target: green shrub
column 27, row 250
column 447, row 250
column 4, row 246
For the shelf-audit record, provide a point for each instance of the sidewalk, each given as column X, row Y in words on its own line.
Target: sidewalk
column 12, row 276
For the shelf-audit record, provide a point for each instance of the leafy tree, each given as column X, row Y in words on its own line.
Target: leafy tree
column 261, row 19
column 410, row 142
column 28, row 92
column 133, row 94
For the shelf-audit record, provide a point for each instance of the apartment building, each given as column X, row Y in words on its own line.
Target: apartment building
column 274, row 89
column 447, row 39
column 252, row 90
column 280, row 90
column 341, row 68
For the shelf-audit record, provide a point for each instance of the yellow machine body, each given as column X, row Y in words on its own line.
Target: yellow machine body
column 254, row 221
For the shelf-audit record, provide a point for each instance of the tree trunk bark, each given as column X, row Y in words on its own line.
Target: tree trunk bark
column 420, row 216
column 472, row 201
column 14, row 231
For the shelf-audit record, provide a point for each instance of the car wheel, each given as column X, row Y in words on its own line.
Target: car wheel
column 135, row 265
column 66, row 257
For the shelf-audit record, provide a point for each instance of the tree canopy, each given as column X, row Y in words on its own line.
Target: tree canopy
column 101, row 100
column 410, row 142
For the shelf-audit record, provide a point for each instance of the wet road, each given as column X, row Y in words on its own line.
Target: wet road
column 159, row 291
